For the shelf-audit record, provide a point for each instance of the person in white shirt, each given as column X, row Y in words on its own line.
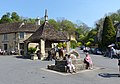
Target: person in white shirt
column 70, row 65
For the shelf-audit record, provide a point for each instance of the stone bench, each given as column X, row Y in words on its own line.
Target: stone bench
column 61, row 65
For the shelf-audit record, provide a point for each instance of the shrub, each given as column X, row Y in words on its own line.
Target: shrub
column 59, row 45
column 31, row 50
column 79, row 44
column 88, row 43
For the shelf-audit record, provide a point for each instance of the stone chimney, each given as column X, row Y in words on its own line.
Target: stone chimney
column 37, row 21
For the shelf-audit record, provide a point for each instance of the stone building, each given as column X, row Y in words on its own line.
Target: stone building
column 12, row 35
column 45, row 36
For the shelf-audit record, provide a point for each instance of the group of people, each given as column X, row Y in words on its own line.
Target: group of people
column 87, row 61
column 68, row 57
column 52, row 53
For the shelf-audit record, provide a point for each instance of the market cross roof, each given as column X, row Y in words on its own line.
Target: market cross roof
column 47, row 32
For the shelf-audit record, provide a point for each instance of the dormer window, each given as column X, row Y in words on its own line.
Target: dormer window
column 21, row 35
column 5, row 37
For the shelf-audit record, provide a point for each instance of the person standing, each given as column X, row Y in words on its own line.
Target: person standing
column 112, row 52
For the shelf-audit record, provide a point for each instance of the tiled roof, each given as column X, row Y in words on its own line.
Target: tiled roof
column 17, row 27
column 28, row 28
column 47, row 32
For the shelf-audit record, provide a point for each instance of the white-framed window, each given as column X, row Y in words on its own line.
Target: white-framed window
column 5, row 37
column 22, row 35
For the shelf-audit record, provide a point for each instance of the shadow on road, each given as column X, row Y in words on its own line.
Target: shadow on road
column 21, row 57
column 108, row 75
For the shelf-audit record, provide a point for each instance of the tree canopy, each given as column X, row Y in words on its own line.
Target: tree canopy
column 108, row 34
column 6, row 18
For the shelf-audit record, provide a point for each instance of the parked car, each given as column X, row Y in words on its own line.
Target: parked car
column 98, row 51
column 92, row 50
column 82, row 47
column 86, row 49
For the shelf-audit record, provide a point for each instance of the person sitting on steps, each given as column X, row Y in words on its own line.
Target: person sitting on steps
column 70, row 66
column 88, row 61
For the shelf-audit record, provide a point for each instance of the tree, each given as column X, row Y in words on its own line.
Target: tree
column 115, row 17
column 54, row 23
column 92, row 36
column 15, row 17
column 83, row 31
column 6, row 18
column 108, row 34
column 66, row 25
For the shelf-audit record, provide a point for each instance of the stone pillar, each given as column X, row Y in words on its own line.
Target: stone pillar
column 68, row 43
column 25, row 49
column 68, row 46
column 42, row 48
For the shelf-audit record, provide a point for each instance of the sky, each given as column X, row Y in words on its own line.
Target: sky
column 87, row 11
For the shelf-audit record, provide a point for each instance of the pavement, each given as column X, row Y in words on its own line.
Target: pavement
column 16, row 70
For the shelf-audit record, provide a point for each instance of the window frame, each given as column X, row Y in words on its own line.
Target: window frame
column 22, row 35
column 5, row 37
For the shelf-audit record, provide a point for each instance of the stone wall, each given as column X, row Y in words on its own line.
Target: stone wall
column 61, row 65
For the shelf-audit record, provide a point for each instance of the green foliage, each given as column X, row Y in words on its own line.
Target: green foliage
column 6, row 18
column 88, row 44
column 79, row 44
column 31, row 50
column 82, row 30
column 15, row 17
column 66, row 25
column 92, row 37
column 29, row 20
column 73, row 44
column 108, row 34
column 92, row 34
column 59, row 45
column 54, row 23
column 91, row 40
column 62, row 45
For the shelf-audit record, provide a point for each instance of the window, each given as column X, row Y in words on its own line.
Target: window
column 21, row 34
column 5, row 37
